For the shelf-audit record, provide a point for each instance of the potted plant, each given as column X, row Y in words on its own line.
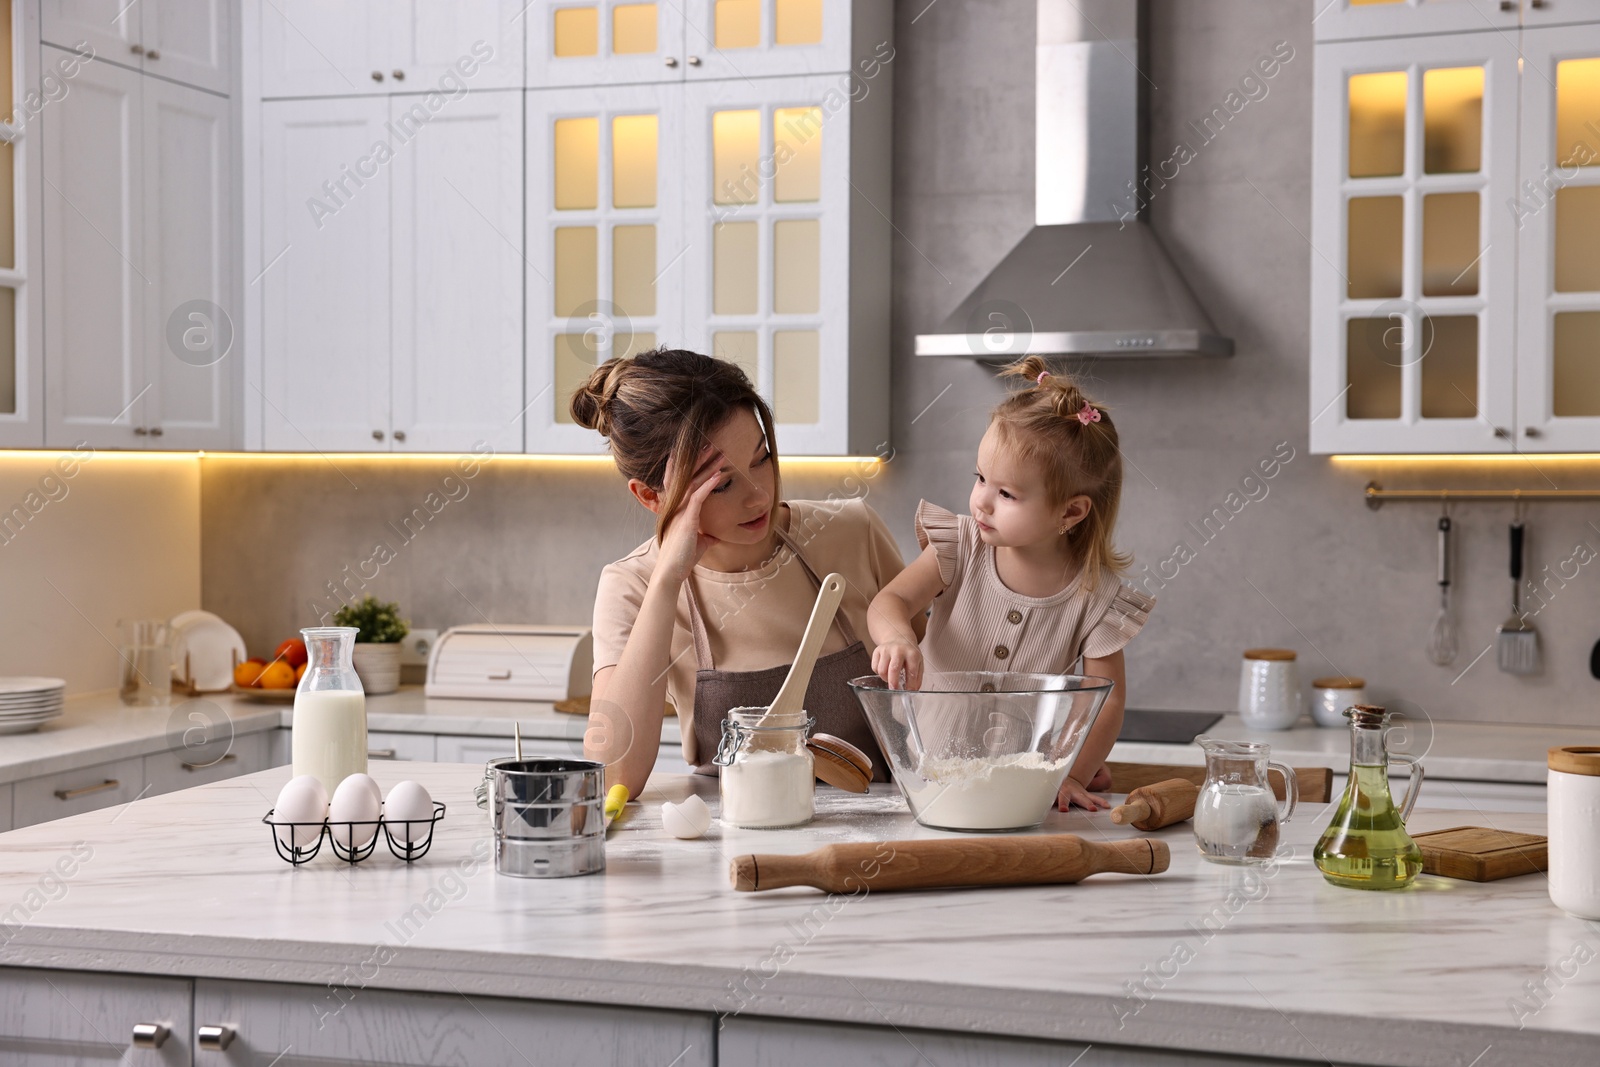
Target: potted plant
column 377, row 652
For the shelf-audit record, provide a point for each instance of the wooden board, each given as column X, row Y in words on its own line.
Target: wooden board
column 1481, row 854
column 1316, row 783
column 580, row 706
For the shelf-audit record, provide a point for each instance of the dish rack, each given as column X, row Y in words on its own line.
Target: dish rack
column 326, row 829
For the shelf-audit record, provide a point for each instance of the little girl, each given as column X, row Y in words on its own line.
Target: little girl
column 1028, row 581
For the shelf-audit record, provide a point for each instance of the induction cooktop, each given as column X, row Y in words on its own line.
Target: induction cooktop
column 1166, row 727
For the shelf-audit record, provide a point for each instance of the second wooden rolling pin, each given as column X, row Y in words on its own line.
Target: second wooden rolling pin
column 1150, row 807
column 1046, row 859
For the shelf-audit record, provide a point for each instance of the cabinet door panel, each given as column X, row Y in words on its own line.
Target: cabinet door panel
column 94, row 284
column 191, row 41
column 180, row 768
column 606, row 255
column 1349, row 19
column 325, row 327
column 111, row 27
column 477, row 43
column 1413, row 266
column 1558, row 375
column 189, row 352
column 326, row 48
column 293, row 1026
column 756, row 38
column 62, row 1018
column 399, row 746
column 457, row 299
column 604, row 42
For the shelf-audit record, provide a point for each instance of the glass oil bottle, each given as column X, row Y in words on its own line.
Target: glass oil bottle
column 1366, row 845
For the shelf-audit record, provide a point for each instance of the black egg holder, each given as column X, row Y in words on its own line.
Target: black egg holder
column 326, row 829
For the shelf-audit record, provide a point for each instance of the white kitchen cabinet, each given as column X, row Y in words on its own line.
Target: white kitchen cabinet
column 65, row 1018
column 450, row 748
column 312, row 48
column 5, row 807
column 1537, row 14
column 1349, row 19
column 1414, row 346
column 382, row 745
column 188, row 41
column 179, row 768
column 298, row 1026
column 605, row 42
column 22, row 417
column 55, row 796
column 605, row 243
column 747, row 39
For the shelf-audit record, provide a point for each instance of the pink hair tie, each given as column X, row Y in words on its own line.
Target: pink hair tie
column 1089, row 414
column 1042, row 376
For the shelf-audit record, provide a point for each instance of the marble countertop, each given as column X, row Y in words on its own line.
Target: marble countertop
column 98, row 727
column 1267, row 962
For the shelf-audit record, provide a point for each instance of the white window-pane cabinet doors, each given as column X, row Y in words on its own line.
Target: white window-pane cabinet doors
column 606, row 250
column 1413, row 264
column 605, row 42
column 458, row 275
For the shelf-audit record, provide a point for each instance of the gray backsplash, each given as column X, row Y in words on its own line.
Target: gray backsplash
column 1302, row 563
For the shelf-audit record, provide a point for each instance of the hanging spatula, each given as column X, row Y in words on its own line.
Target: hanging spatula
column 1517, row 646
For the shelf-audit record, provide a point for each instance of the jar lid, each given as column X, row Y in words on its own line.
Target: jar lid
column 1576, row 759
column 1269, row 653
column 1339, row 682
column 839, row 763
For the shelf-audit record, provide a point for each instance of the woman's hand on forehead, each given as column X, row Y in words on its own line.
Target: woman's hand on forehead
column 708, row 453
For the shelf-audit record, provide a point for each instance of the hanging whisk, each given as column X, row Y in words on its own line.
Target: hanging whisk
column 1442, row 642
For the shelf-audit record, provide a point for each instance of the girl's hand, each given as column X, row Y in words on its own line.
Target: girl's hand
column 896, row 657
column 1075, row 792
column 684, row 545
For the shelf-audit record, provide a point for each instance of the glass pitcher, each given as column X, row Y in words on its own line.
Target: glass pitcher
column 328, row 737
column 146, row 662
column 1236, row 815
column 1366, row 845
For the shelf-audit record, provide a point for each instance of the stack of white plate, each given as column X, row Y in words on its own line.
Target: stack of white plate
column 25, row 703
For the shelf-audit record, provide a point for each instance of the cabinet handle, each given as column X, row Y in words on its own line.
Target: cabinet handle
column 399, row 435
column 1531, row 431
column 1501, row 432
column 502, row 676
column 74, row 794
column 140, row 431
column 232, row 757
column 152, row 54
column 694, row 61
column 1508, row 5
column 1540, row 3
column 149, row 1035
column 671, row 61
column 377, row 435
column 155, row 431
column 137, row 49
column 214, row 1038
column 380, row 753
column 399, row 75
column 377, row 75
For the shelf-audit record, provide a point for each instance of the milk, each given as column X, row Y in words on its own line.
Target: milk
column 329, row 735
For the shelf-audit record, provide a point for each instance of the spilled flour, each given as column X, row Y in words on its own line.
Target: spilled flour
column 993, row 793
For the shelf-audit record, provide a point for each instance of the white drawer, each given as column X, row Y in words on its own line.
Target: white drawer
column 278, row 751
column 453, row 749
column 168, row 772
column 55, row 796
column 400, row 746
column 5, row 807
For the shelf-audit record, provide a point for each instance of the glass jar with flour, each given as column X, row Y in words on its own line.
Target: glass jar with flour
column 768, row 777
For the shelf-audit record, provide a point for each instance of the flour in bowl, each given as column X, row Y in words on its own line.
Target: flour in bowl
column 1008, row 792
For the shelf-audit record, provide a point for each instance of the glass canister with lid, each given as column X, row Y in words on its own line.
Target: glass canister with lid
column 768, row 776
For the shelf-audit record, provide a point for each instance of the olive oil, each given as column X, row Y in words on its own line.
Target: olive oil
column 1366, row 846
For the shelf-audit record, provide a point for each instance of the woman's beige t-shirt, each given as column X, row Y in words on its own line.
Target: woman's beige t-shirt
column 754, row 619
column 980, row 625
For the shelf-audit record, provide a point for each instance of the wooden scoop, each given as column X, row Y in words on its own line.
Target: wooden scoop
column 1150, row 807
column 1051, row 859
column 792, row 697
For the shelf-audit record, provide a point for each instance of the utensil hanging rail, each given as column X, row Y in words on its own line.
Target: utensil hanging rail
column 1376, row 495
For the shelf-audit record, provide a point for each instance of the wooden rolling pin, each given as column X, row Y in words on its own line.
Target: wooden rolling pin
column 1051, row 859
column 1150, row 807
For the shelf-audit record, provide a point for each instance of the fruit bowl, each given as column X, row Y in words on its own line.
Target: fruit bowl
column 265, row 696
column 981, row 751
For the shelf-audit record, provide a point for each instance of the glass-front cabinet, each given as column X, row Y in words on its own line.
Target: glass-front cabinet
column 1338, row 20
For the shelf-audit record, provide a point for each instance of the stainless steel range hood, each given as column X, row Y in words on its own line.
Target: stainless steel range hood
column 1090, row 278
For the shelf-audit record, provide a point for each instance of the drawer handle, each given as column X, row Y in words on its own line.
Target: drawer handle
column 149, row 1035
column 214, row 1038
column 503, row 676
column 74, row 794
column 380, row 753
column 232, row 757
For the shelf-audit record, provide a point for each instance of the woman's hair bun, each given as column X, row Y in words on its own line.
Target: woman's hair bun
column 591, row 399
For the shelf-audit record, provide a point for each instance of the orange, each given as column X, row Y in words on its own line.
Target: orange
column 292, row 652
column 277, row 675
column 247, row 674
column 299, row 672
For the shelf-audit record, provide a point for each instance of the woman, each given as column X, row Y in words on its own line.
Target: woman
column 710, row 611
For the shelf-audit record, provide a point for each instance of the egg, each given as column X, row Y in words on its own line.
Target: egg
column 409, row 812
column 356, row 801
column 302, row 800
column 687, row 820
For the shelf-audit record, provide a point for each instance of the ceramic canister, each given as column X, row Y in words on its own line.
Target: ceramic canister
column 1269, row 689
column 1330, row 696
column 1574, row 828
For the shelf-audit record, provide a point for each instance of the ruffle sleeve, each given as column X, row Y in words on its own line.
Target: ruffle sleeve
column 1124, row 617
column 942, row 530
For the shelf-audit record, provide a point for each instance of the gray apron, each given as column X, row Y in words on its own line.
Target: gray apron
column 828, row 699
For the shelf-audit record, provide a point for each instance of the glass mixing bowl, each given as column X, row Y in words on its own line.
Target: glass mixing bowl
column 980, row 751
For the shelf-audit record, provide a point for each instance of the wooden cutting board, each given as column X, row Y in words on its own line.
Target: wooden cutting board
column 1481, row 854
column 1316, row 783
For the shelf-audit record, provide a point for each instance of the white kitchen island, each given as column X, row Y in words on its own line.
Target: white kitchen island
column 182, row 905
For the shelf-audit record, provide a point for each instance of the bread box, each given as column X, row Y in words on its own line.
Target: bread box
column 511, row 662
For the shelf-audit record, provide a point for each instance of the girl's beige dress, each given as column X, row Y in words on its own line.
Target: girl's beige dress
column 980, row 625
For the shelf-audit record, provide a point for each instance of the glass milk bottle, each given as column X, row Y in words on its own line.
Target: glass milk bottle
column 329, row 734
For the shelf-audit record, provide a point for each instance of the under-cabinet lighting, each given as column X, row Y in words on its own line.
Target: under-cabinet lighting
column 35, row 455
column 1500, row 457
